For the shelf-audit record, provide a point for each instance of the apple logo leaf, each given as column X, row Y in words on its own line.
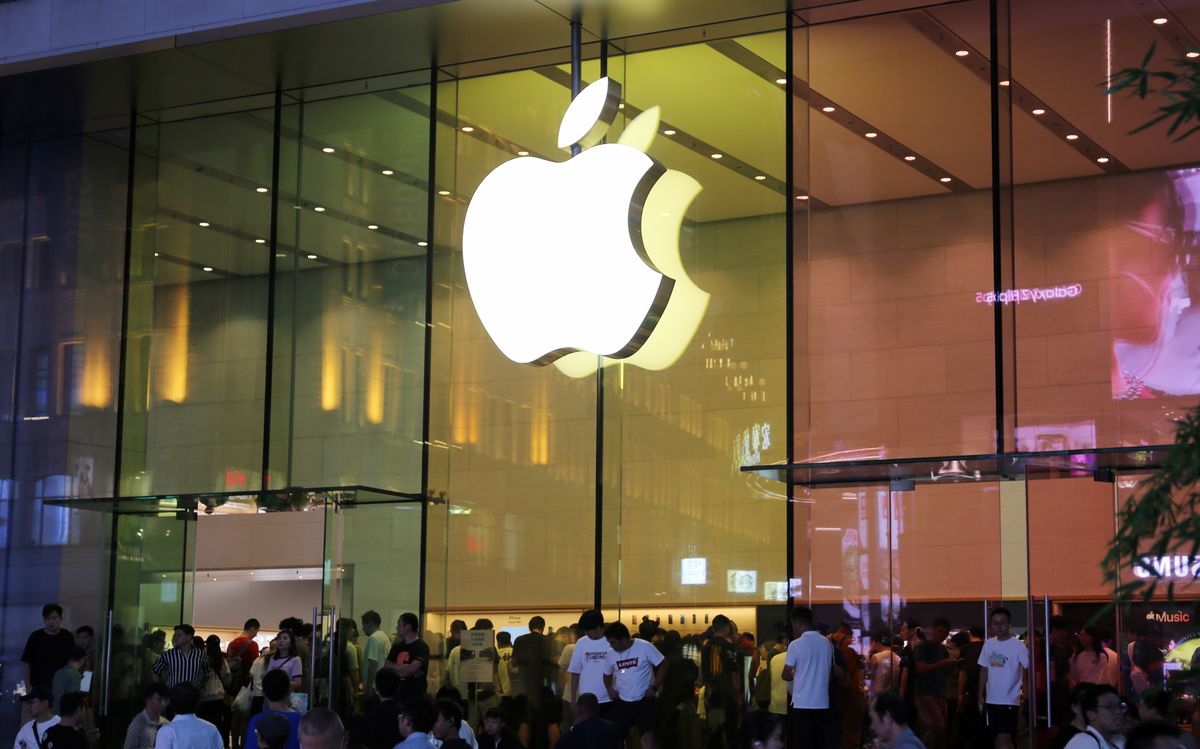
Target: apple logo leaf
column 641, row 131
column 590, row 114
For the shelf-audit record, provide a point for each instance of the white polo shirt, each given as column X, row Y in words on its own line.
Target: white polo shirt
column 810, row 656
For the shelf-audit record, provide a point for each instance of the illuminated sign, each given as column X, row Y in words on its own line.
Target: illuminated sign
column 1170, row 567
column 1043, row 294
column 1170, row 617
column 693, row 571
column 582, row 256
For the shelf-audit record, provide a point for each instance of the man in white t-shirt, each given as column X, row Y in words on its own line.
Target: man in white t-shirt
column 376, row 651
column 633, row 672
column 41, row 718
column 1002, row 662
column 588, row 660
column 807, row 665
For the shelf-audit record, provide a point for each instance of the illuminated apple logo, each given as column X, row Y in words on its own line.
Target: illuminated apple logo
column 568, row 260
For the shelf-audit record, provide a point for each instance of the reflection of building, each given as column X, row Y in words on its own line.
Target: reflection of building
column 213, row 284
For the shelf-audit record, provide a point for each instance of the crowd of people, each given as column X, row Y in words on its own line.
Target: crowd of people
column 597, row 685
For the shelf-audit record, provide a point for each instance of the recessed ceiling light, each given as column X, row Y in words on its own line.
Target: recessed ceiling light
column 443, row 192
column 1193, row 54
column 312, row 257
column 828, row 109
column 962, row 53
column 261, row 189
column 717, row 155
column 668, row 131
column 372, row 227
column 468, row 129
column 204, row 223
column 156, row 254
column 522, row 153
column 327, row 149
column 781, row 81
column 1004, row 83
column 260, row 241
column 208, row 269
column 872, row 135
column 621, row 105
column 319, row 209
column 1159, row 21
column 760, row 177
column 910, row 157
column 387, row 172
column 1072, row 136
column 801, row 197
column 1102, row 160
column 1039, row 111
column 944, row 179
column 422, row 244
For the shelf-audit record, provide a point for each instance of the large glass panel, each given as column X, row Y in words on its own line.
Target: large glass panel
column 1106, row 219
column 373, row 556
column 194, row 383
column 894, row 343
column 62, row 216
column 348, row 395
column 881, row 564
column 519, row 440
column 894, row 354
column 153, row 560
column 685, row 414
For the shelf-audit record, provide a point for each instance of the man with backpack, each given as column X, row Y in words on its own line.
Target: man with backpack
column 242, row 653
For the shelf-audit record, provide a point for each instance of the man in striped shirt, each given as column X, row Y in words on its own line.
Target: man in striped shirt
column 183, row 663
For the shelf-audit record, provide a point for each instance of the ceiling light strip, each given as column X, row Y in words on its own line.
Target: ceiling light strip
column 687, row 140
column 222, row 176
column 847, row 119
column 477, row 131
column 1022, row 98
column 189, row 263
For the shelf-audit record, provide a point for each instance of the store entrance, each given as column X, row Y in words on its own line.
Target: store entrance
column 248, row 564
column 323, row 556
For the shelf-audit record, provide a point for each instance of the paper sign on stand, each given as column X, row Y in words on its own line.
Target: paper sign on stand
column 479, row 667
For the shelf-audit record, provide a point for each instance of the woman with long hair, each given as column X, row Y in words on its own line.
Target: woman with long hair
column 1094, row 663
column 286, row 658
column 214, row 698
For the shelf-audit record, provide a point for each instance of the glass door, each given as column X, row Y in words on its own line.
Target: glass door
column 152, row 564
column 373, row 563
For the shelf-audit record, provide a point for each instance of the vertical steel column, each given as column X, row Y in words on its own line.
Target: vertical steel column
column 789, row 158
column 271, row 283
column 1003, row 319
column 598, row 543
column 426, row 405
column 122, row 370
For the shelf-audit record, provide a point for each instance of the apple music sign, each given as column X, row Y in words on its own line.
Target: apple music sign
column 583, row 255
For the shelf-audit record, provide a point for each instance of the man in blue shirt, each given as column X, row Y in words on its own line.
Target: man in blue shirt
column 277, row 692
column 416, row 721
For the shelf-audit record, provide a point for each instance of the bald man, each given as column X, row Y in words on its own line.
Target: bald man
column 321, row 728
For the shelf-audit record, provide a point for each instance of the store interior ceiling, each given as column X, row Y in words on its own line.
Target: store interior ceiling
column 898, row 106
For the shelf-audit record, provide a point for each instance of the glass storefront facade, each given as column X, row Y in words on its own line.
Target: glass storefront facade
column 922, row 231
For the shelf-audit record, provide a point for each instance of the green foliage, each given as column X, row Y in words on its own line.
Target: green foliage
column 1162, row 518
column 1178, row 87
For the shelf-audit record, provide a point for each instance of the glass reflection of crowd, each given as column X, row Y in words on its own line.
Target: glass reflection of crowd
column 599, row 684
